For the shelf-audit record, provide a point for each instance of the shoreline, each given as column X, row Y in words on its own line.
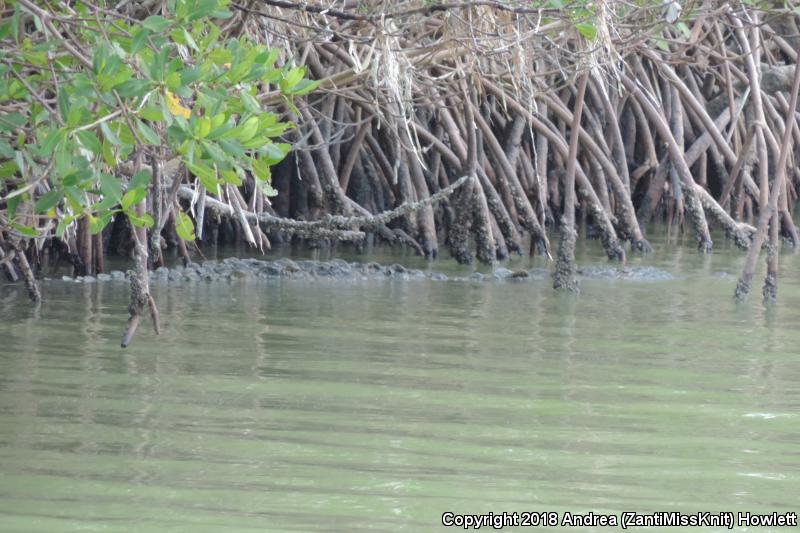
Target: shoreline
column 233, row 268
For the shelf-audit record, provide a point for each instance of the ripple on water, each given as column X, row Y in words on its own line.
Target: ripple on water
column 317, row 405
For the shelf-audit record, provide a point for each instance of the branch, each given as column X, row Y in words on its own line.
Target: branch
column 334, row 227
column 425, row 10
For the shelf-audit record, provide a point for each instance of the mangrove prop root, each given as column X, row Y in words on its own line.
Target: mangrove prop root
column 565, row 277
column 7, row 261
column 671, row 128
column 140, row 297
column 139, row 277
column 21, row 260
column 769, row 213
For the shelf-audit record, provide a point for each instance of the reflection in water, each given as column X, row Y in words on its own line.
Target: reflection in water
column 379, row 405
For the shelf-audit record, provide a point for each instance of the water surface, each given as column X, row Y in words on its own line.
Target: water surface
column 378, row 405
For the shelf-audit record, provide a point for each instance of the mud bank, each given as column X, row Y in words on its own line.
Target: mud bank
column 232, row 269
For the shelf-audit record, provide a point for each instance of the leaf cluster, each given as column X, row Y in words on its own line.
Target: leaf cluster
column 84, row 90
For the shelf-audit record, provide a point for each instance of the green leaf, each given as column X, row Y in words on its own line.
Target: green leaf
column 5, row 150
column 5, row 30
column 222, row 14
column 90, row 141
column 11, row 121
column 260, row 169
column 19, row 159
column 99, row 59
column 64, row 161
column 203, row 127
column 96, row 224
column 207, row 175
column 587, row 30
column 267, row 189
column 133, row 88
column 105, row 205
column 216, row 153
column 109, row 82
column 292, row 77
column 140, row 180
column 250, row 103
column 184, row 226
column 220, row 56
column 232, row 177
column 304, row 87
column 28, row 231
column 277, row 129
column 38, row 58
column 132, row 197
column 110, row 135
column 182, row 10
column 152, row 113
column 272, row 56
column 156, row 23
column 49, row 143
column 173, row 80
column 232, row 147
column 75, row 116
column 218, row 120
column 190, row 75
column 256, row 143
column 71, row 181
column 144, row 221
column 148, row 135
column 108, row 154
column 219, row 131
column 276, row 152
column 208, row 8
column 139, row 40
column 662, row 44
column 47, row 201
column 61, row 228
column 15, row 25
column 75, row 197
column 247, row 130
column 177, row 36
column 12, row 204
column 189, row 40
column 63, row 103
column 157, row 64
column 111, row 187
column 7, row 168
column 126, row 135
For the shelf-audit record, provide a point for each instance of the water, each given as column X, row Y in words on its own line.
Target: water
column 379, row 405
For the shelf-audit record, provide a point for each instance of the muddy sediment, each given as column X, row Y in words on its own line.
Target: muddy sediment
column 232, row 269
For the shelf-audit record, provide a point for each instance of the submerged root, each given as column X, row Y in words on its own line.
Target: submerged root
column 565, row 276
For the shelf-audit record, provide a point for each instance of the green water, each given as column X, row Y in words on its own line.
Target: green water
column 379, row 405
